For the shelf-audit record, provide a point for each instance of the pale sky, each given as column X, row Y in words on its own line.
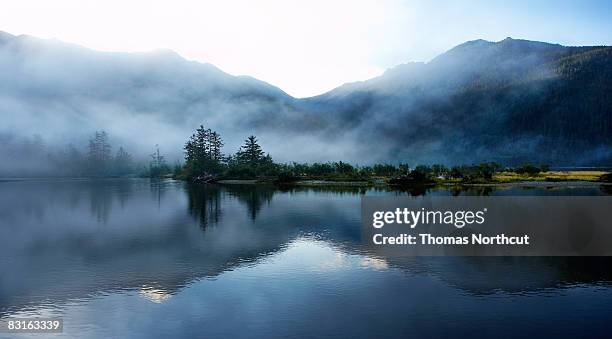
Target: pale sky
column 305, row 47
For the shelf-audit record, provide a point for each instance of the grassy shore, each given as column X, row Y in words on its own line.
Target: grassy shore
column 594, row 176
column 499, row 178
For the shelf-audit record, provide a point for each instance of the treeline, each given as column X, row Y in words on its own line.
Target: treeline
column 205, row 162
column 483, row 172
column 33, row 157
column 96, row 157
column 403, row 173
column 99, row 159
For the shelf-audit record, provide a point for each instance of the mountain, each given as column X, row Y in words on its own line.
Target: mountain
column 65, row 92
column 510, row 101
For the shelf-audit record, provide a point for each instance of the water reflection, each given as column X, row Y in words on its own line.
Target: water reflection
column 606, row 189
column 205, row 203
column 254, row 197
column 75, row 240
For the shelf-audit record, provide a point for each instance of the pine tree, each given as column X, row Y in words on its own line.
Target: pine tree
column 203, row 153
column 190, row 150
column 215, row 146
column 157, row 166
column 251, row 153
column 99, row 154
column 202, row 145
column 123, row 162
column 157, row 160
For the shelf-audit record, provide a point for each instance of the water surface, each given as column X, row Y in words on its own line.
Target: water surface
column 141, row 258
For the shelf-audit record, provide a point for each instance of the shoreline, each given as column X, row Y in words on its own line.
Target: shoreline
column 323, row 183
column 504, row 179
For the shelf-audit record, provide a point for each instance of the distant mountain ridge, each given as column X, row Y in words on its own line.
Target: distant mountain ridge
column 510, row 101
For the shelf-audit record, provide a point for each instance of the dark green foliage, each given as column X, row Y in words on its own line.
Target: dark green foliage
column 251, row 162
column 404, row 168
column 203, row 153
column 422, row 174
column 528, row 169
column 415, row 177
column 439, row 171
column 475, row 173
column 250, row 153
column 203, row 157
column 286, row 177
column 240, row 171
column 384, row 170
column 422, row 171
column 330, row 171
column 488, row 169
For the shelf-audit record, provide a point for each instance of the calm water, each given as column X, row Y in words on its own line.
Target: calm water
column 133, row 257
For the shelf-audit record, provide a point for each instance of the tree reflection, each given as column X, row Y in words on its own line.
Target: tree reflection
column 205, row 200
column 253, row 196
column 204, row 203
column 606, row 189
column 159, row 251
column 103, row 193
column 473, row 190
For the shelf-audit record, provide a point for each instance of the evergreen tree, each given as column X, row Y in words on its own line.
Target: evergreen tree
column 122, row 162
column 157, row 160
column 157, row 166
column 215, row 146
column 439, row 170
column 99, row 154
column 250, row 153
column 202, row 144
column 203, row 153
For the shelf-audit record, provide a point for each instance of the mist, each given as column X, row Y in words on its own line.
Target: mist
column 60, row 94
column 481, row 101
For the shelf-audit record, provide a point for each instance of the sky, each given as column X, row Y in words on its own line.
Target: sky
column 305, row 47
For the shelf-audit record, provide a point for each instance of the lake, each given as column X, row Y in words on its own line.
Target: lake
column 144, row 258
